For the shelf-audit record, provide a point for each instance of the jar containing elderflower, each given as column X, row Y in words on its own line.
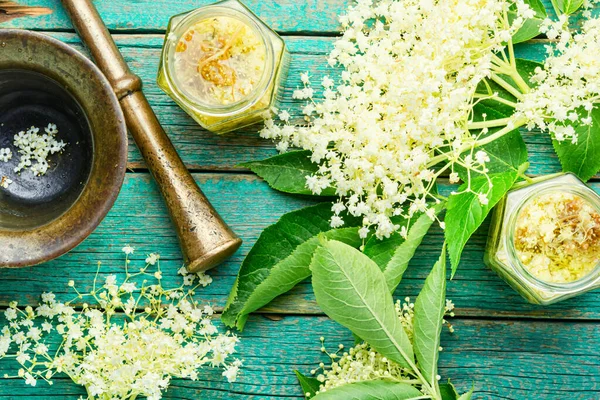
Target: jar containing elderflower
column 545, row 239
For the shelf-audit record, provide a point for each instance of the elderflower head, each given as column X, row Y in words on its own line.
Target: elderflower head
column 363, row 363
column 157, row 337
column 35, row 148
column 410, row 70
column 568, row 86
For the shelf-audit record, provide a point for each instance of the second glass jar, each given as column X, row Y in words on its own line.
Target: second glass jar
column 544, row 239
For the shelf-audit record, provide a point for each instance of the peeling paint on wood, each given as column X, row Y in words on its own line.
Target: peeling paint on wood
column 11, row 10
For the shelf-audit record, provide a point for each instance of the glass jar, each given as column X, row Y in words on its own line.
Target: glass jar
column 543, row 261
column 223, row 66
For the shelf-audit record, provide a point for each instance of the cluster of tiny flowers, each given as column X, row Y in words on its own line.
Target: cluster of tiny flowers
column 362, row 363
column 34, row 149
column 568, row 86
column 132, row 342
column 410, row 70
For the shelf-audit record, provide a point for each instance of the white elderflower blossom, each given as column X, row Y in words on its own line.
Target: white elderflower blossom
column 128, row 250
column 403, row 97
column 362, row 363
column 5, row 154
column 33, row 146
column 568, row 86
column 162, row 334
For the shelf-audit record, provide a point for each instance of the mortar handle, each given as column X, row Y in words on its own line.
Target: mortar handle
column 204, row 237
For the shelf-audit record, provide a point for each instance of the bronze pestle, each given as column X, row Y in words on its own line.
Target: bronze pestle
column 204, row 237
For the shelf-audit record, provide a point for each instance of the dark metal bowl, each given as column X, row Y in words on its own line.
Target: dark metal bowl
column 42, row 81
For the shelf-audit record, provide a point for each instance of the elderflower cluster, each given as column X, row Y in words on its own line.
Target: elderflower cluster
column 568, row 86
column 132, row 342
column 410, row 69
column 362, row 363
column 34, row 149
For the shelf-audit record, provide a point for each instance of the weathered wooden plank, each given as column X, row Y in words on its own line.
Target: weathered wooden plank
column 139, row 218
column 511, row 360
column 286, row 16
column 202, row 150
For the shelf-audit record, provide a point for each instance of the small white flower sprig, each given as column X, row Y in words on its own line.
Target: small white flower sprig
column 362, row 363
column 568, row 86
column 407, row 92
column 131, row 343
column 33, row 146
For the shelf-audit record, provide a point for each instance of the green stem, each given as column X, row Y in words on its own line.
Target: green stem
column 488, row 139
column 520, row 82
column 492, row 123
column 507, row 86
column 496, row 97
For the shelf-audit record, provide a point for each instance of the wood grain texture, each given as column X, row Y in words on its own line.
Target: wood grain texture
column 532, row 357
column 503, row 360
column 11, row 10
column 285, row 16
column 204, row 151
column 143, row 16
column 247, row 203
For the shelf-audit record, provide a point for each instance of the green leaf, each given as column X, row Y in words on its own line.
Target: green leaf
column 309, row 385
column 428, row 320
column 287, row 172
column 280, row 259
column 467, row 396
column 583, row 157
column 466, row 213
column 394, row 270
column 506, row 153
column 351, row 289
column 448, row 392
column 569, row 6
column 525, row 68
column 531, row 27
column 371, row 390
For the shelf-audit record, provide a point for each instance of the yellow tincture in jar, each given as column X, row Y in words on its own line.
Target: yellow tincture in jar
column 544, row 239
column 557, row 236
column 223, row 66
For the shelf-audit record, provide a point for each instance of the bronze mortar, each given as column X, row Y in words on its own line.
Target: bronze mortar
column 43, row 80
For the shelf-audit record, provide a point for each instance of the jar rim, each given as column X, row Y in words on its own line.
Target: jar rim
column 582, row 191
column 203, row 13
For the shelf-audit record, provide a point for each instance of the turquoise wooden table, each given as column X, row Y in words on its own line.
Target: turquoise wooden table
column 503, row 346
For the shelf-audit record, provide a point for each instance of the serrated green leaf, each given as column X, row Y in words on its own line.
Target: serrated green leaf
column 287, row 172
column 309, row 385
column 465, row 212
column 582, row 158
column 371, row 390
column 280, row 259
column 531, row 27
column 568, row 7
column 351, row 289
column 405, row 250
column 428, row 320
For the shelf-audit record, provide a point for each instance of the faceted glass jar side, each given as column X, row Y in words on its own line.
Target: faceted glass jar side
column 266, row 94
column 500, row 254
